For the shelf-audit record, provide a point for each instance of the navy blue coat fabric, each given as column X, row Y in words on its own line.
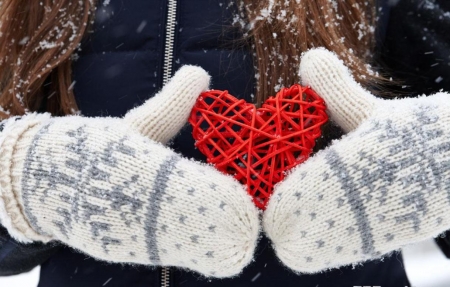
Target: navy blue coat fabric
column 119, row 67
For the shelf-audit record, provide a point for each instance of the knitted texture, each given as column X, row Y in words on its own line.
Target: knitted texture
column 97, row 185
column 178, row 96
column 348, row 104
column 383, row 186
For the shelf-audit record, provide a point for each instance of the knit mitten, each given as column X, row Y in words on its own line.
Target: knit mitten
column 384, row 185
column 105, row 187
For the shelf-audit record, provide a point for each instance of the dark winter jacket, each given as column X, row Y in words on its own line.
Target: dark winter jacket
column 122, row 64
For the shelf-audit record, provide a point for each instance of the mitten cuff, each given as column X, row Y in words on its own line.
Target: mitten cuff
column 11, row 161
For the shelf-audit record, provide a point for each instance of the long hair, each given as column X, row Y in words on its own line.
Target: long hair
column 281, row 30
column 38, row 40
column 37, row 43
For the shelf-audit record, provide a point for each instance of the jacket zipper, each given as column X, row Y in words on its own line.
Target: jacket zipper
column 167, row 72
column 165, row 277
column 170, row 38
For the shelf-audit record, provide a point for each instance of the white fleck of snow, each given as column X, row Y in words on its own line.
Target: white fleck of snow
column 47, row 45
column 24, row 40
column 107, row 281
column 106, row 3
column 51, row 95
column 438, row 80
column 427, row 4
column 256, row 277
column 72, row 85
column 141, row 26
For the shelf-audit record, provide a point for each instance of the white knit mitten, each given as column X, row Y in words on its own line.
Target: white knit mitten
column 103, row 186
column 384, row 185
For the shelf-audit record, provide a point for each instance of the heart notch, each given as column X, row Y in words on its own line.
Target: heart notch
column 258, row 146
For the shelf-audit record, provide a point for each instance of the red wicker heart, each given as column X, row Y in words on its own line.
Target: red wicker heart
column 258, row 146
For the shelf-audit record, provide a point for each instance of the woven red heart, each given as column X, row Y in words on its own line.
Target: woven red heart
column 258, row 146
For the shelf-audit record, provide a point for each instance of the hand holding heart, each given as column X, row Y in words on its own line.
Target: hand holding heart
column 384, row 185
column 110, row 188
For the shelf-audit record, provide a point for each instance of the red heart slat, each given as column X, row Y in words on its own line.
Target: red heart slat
column 258, row 146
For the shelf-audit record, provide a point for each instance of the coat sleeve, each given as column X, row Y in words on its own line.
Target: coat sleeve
column 16, row 258
column 444, row 243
